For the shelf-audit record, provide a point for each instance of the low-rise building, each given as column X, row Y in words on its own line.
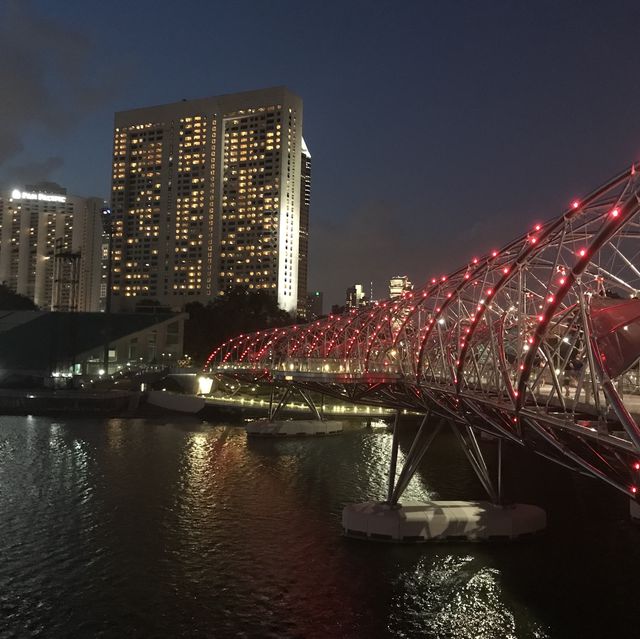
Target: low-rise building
column 36, row 346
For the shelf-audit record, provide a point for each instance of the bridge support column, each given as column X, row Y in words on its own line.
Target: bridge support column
column 276, row 425
column 394, row 455
column 421, row 443
column 441, row 520
column 273, row 411
column 289, row 390
column 475, row 456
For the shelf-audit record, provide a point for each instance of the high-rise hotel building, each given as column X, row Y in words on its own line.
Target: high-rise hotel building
column 208, row 194
column 303, row 243
column 50, row 246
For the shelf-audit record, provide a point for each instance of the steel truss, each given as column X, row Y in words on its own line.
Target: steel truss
column 537, row 342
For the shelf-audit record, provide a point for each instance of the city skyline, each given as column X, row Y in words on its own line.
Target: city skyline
column 402, row 134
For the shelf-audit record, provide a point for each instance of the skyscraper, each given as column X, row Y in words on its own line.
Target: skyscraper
column 303, row 244
column 356, row 296
column 399, row 285
column 206, row 195
column 50, row 246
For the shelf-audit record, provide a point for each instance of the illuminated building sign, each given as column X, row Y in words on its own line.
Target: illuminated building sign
column 17, row 194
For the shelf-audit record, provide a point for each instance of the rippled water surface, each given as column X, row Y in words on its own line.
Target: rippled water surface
column 177, row 528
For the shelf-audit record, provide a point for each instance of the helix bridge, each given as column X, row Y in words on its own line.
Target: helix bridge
column 536, row 343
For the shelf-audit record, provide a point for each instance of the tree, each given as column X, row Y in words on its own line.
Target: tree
column 238, row 311
column 10, row 301
column 146, row 305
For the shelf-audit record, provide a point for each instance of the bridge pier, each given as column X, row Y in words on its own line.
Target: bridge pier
column 439, row 520
column 276, row 425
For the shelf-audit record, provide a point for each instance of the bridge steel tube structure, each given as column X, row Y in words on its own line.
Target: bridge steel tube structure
column 537, row 342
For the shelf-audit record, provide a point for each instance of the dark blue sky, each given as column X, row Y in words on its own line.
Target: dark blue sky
column 437, row 129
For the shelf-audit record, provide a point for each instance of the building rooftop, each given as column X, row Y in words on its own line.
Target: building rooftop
column 37, row 340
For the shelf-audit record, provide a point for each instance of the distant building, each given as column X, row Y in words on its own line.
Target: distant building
column 399, row 285
column 314, row 305
column 210, row 194
column 50, row 247
column 356, row 296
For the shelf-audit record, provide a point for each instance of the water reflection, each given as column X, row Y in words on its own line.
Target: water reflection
column 115, row 429
column 178, row 528
column 377, row 452
column 455, row 596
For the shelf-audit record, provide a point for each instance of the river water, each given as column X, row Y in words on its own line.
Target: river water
column 182, row 528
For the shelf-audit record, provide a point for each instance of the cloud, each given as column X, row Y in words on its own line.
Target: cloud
column 32, row 172
column 45, row 75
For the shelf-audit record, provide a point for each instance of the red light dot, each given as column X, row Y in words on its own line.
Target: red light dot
column 505, row 270
column 533, row 240
column 541, row 318
column 537, row 227
column 636, row 466
column 494, row 253
column 467, row 276
column 562, row 280
column 575, row 204
column 489, row 291
column 615, row 213
column 582, row 252
column 475, row 260
column 634, row 490
column 550, row 299
column 521, row 367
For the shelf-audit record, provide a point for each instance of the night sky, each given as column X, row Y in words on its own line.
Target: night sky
column 437, row 130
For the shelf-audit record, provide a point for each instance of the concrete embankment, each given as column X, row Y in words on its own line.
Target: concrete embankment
column 67, row 402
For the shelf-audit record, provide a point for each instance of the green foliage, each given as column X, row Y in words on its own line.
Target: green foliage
column 238, row 311
column 10, row 301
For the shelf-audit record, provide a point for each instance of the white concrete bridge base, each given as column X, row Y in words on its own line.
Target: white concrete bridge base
column 293, row 427
column 442, row 521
